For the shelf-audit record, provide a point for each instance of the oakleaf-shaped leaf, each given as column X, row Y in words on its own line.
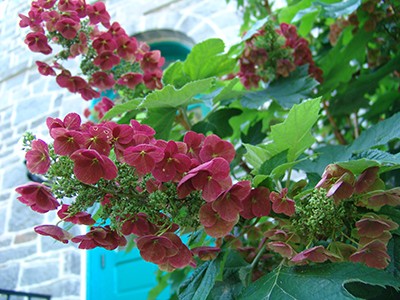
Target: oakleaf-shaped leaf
column 169, row 96
column 324, row 281
column 294, row 133
column 207, row 59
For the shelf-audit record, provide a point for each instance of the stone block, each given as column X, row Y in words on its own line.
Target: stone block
column 16, row 253
column 72, row 262
column 14, row 176
column 22, row 217
column 25, row 237
column 3, row 212
column 39, row 273
column 9, row 276
column 64, row 288
column 30, row 108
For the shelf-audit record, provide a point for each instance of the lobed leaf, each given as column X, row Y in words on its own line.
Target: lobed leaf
column 325, row 280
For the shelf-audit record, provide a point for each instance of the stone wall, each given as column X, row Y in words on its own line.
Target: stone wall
column 29, row 262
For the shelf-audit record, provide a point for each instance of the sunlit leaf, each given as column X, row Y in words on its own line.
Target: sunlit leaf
column 325, row 280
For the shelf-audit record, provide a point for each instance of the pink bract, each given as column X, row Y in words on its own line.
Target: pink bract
column 90, row 166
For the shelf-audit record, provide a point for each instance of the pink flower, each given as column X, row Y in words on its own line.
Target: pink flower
column 284, row 249
column 67, row 27
column 100, row 237
column 314, row 254
column 102, row 80
column 212, row 178
column 152, row 61
column 47, row 4
column 55, row 232
column 88, row 93
column 106, row 60
column 282, row 204
column 194, row 142
column 206, row 252
column 373, row 226
column 98, row 138
column 82, row 217
column 172, row 165
column 373, row 254
column 45, row 69
column 338, row 181
column 116, row 30
column 366, row 179
column 229, row 204
column 72, row 83
column 37, row 42
column 98, row 14
column 256, row 204
column 33, row 20
column 156, row 249
column 152, row 79
column 213, row 224
column 67, row 5
column 37, row 159
column 72, row 121
column 127, row 47
column 214, row 146
column 66, row 141
column 90, row 166
column 51, row 18
column 37, row 196
column 130, row 79
column 104, row 42
column 143, row 157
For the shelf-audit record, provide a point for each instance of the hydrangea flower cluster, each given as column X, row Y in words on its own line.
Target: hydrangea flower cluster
column 111, row 59
column 271, row 53
column 142, row 183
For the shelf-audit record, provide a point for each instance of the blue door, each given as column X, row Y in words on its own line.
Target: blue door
column 118, row 275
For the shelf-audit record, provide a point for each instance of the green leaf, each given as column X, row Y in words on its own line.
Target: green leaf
column 338, row 9
column 379, row 134
column 286, row 91
column 294, row 133
column 394, row 252
column 326, row 155
column 200, row 283
column 170, row 97
column 231, row 285
column 122, row 108
column 230, row 92
column 257, row 25
column 254, row 135
column 394, row 214
column 359, row 165
column 336, row 64
column 256, row 155
column 287, row 14
column 358, row 87
column 269, row 165
column 174, row 75
column 325, row 280
column 207, row 59
column 218, row 122
column 292, row 90
column 161, row 119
